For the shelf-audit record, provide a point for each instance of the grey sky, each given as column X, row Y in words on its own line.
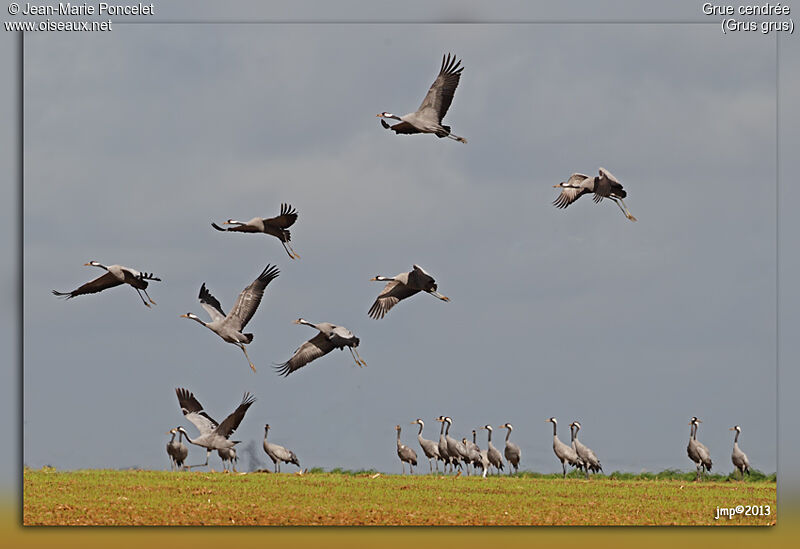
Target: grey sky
column 136, row 140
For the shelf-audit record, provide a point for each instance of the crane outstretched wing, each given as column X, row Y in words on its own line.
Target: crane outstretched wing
column 99, row 284
column 250, row 298
column 391, row 295
column 194, row 412
column 285, row 220
column 211, row 304
column 401, row 127
column 420, row 278
column 317, row 346
column 610, row 184
column 568, row 196
column 441, row 92
column 229, row 425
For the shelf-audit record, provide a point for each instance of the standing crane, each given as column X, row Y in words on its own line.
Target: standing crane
column 401, row 286
column 696, row 450
column 512, row 451
column 564, row 452
column 176, row 450
column 213, row 435
column 443, row 452
column 429, row 447
column 115, row 276
column 493, row 453
column 603, row 186
column 454, row 447
column 406, row 454
column 428, row 117
column 229, row 326
column 278, row 453
column 473, row 451
column 228, row 455
column 483, row 455
column 739, row 458
column 590, row 461
column 274, row 226
column 330, row 337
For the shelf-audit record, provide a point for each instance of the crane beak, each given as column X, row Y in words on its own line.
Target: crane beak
column 379, row 115
column 373, row 279
column 87, row 264
column 296, row 321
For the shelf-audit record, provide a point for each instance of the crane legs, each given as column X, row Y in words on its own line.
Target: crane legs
column 619, row 202
column 146, row 304
column 148, row 297
column 456, row 138
column 252, row 367
column 292, row 254
column 208, row 453
column 359, row 361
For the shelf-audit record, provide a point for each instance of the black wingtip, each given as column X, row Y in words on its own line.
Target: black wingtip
column 269, row 273
column 384, row 124
column 65, row 295
column 283, row 369
column 217, row 227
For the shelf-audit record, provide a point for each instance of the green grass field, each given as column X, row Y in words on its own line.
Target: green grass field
column 102, row 497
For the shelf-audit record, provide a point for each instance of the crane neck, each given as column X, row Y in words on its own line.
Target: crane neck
column 173, row 439
column 508, row 435
column 474, row 437
column 736, row 439
column 554, row 428
column 398, row 437
column 447, row 431
column 490, row 436
column 421, row 426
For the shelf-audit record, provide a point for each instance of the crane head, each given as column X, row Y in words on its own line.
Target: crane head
column 736, row 428
column 92, row 264
column 550, row 420
column 487, row 427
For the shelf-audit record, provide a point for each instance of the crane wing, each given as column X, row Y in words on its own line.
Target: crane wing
column 210, row 304
column 99, row 284
column 392, row 293
column 194, row 412
column 609, row 184
column 419, row 278
column 317, row 346
column 285, row 220
column 441, row 92
column 401, row 127
column 229, row 425
column 250, row 298
column 568, row 196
